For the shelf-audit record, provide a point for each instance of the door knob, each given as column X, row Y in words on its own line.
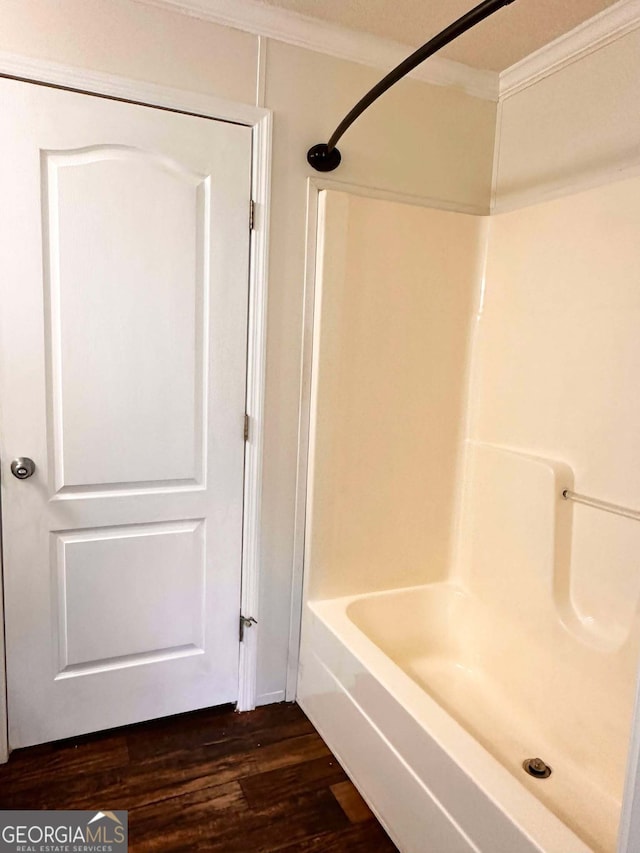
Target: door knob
column 23, row 467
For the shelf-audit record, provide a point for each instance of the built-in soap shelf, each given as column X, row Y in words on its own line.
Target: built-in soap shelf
column 532, row 554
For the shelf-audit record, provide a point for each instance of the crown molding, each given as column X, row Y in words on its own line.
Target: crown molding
column 324, row 37
column 254, row 17
column 597, row 32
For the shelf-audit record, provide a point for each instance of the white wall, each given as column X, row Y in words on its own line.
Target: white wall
column 420, row 139
column 577, row 127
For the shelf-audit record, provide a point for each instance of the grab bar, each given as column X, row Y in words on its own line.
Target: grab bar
column 616, row 509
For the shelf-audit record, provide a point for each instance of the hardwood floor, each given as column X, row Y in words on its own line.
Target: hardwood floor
column 211, row 781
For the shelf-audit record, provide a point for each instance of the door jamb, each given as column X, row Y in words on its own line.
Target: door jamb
column 86, row 81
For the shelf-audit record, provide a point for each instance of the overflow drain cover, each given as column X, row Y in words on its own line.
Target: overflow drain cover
column 537, row 768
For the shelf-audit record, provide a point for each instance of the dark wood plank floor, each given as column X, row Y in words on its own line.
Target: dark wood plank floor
column 212, row 781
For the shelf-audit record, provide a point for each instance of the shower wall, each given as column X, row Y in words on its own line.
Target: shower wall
column 555, row 360
column 395, row 297
column 555, row 374
column 466, row 371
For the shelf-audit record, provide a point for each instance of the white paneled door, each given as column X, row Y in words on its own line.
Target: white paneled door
column 124, row 251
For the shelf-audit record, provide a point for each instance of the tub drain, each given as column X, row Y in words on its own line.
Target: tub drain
column 537, row 768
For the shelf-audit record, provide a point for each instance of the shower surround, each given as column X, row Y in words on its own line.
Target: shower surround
column 460, row 616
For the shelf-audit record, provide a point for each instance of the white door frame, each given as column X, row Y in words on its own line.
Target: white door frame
column 260, row 120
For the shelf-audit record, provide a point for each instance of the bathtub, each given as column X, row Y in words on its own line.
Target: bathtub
column 429, row 707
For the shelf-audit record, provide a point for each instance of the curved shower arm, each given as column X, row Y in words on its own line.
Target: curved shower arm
column 325, row 157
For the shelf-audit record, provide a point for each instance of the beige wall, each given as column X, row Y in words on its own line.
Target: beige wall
column 395, row 300
column 420, row 139
column 133, row 40
column 577, row 127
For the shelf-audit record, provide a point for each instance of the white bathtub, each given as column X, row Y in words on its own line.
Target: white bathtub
column 429, row 706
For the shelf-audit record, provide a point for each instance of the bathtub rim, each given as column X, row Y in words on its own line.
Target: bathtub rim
column 506, row 793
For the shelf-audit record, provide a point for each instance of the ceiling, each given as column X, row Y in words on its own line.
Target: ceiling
column 508, row 36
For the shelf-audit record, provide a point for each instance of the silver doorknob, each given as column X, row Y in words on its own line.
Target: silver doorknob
column 23, row 467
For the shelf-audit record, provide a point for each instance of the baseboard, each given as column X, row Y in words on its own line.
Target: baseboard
column 270, row 698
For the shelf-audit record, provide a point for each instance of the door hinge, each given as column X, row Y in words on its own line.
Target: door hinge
column 246, row 622
column 252, row 215
column 246, row 427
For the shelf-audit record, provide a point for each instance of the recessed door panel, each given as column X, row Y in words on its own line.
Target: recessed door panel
column 126, row 253
column 104, row 575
